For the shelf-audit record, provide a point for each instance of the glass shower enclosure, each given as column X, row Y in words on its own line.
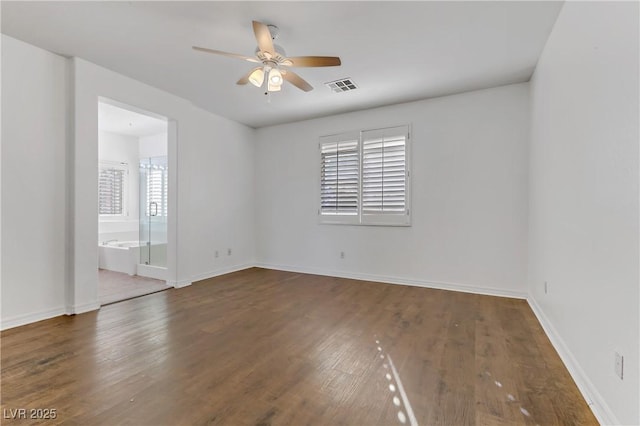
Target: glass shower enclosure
column 153, row 211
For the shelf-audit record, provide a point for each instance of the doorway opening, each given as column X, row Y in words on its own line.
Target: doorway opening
column 133, row 193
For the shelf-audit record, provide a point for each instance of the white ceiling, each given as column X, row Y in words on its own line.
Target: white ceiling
column 394, row 51
column 124, row 122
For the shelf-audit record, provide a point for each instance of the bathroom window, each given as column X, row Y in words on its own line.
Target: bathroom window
column 157, row 182
column 112, row 180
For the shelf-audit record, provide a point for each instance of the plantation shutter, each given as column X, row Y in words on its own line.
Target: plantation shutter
column 385, row 173
column 111, row 191
column 157, row 191
column 339, row 175
column 364, row 177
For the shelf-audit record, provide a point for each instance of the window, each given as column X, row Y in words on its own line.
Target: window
column 111, row 189
column 339, row 176
column 364, row 177
column 156, row 177
column 384, row 176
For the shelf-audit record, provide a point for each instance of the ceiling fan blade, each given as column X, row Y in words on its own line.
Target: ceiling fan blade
column 231, row 55
column 263, row 36
column 297, row 81
column 314, row 61
column 245, row 78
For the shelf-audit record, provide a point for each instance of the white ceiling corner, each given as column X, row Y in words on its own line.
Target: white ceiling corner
column 394, row 51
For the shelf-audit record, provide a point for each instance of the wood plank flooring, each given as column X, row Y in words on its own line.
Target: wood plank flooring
column 116, row 286
column 261, row 347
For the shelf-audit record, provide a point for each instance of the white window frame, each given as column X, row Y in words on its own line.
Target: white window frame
column 382, row 219
column 106, row 165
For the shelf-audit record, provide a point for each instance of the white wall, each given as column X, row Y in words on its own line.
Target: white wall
column 116, row 148
column 34, row 96
column 221, row 202
column 584, row 199
column 54, row 170
column 469, row 196
column 153, row 145
column 210, row 183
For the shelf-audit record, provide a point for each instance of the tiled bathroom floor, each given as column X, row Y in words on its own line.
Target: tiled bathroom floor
column 116, row 286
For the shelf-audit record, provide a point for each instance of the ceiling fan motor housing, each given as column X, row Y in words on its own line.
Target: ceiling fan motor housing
column 274, row 31
column 278, row 50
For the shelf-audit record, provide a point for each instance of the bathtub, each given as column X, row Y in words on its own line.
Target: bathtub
column 124, row 256
column 124, row 244
column 119, row 256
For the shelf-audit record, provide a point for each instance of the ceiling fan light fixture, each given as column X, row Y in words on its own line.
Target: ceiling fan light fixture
column 274, row 87
column 270, row 58
column 275, row 77
column 257, row 77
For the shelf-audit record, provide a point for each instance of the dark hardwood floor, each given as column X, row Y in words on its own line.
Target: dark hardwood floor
column 270, row 347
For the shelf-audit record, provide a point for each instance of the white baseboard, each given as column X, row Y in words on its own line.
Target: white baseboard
column 82, row 308
column 179, row 284
column 465, row 288
column 598, row 406
column 221, row 271
column 29, row 318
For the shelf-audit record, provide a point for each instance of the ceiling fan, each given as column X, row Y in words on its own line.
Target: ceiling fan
column 275, row 64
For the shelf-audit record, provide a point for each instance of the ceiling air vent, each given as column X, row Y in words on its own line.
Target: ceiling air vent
column 342, row 85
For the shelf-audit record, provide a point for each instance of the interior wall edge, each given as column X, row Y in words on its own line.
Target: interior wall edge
column 69, row 288
column 594, row 400
column 82, row 308
column 179, row 283
column 439, row 285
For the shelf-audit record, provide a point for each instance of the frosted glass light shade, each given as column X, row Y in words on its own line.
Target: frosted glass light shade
column 274, row 87
column 257, row 77
column 275, row 77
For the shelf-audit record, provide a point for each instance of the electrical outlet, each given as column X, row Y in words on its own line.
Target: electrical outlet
column 546, row 287
column 216, row 254
column 228, row 252
column 619, row 365
column 341, row 255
